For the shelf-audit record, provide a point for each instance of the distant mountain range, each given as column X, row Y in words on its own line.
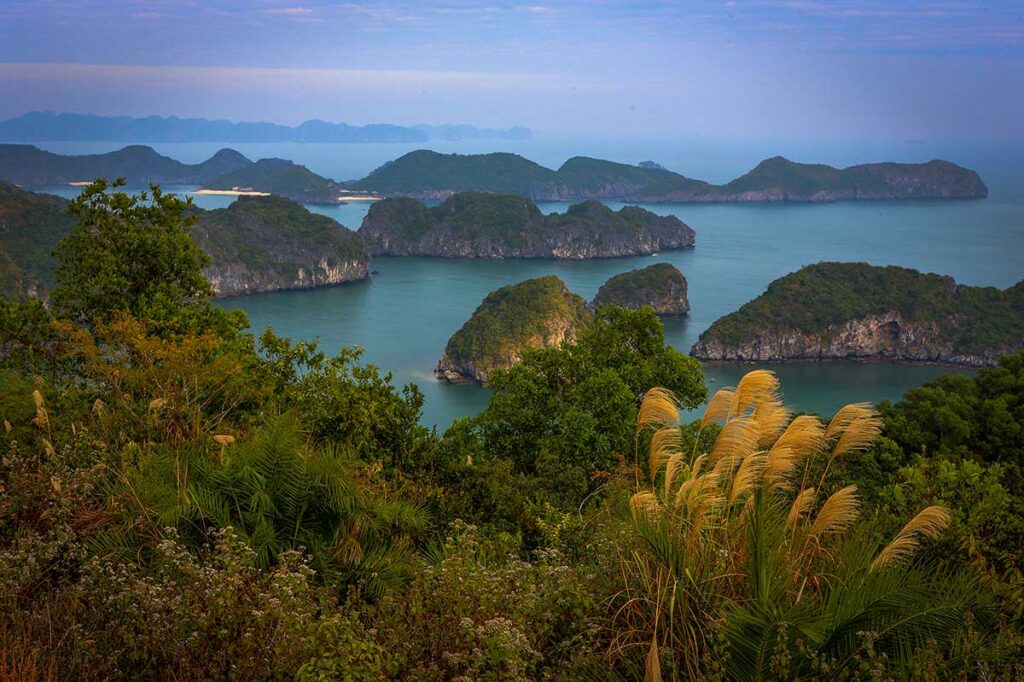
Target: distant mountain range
column 43, row 126
column 426, row 174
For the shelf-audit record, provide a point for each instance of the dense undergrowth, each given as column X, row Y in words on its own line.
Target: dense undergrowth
column 181, row 500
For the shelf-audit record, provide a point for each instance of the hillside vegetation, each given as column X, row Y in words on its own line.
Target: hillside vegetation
column 426, row 174
column 485, row 225
column 660, row 286
column 181, row 499
column 835, row 310
column 139, row 165
column 280, row 177
column 536, row 313
column 261, row 244
column 31, row 225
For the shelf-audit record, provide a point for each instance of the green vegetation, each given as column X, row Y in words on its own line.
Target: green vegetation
column 428, row 174
column 280, row 177
column 971, row 320
column 485, row 225
column 31, row 225
column 423, row 172
column 660, row 286
column 139, row 165
column 534, row 313
column 185, row 501
column 269, row 243
column 132, row 254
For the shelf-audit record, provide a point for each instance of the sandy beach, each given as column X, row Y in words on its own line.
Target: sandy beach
column 232, row 192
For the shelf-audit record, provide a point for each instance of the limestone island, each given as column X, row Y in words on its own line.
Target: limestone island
column 537, row 313
column 269, row 243
column 280, row 177
column 660, row 286
column 494, row 226
column 258, row 244
column 30, row 166
column 856, row 311
column 427, row 174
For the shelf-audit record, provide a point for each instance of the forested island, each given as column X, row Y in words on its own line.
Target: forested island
column 429, row 175
column 184, row 498
column 256, row 245
column 280, row 177
column 536, row 313
column 426, row 174
column 264, row 244
column 660, row 286
column 29, row 166
column 484, row 225
column 856, row 311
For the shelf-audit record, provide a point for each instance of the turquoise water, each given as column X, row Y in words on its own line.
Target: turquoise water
column 404, row 316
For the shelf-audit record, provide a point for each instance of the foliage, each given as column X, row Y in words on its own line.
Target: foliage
column 280, row 177
column 424, row 171
column 133, row 253
column 276, row 234
column 474, row 614
column 30, row 227
column 746, row 570
column 515, row 318
column 564, row 413
column 973, row 320
column 654, row 285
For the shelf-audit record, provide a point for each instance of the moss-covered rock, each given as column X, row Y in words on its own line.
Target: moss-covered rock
column 660, row 286
column 261, row 244
column 838, row 311
column 537, row 313
column 483, row 225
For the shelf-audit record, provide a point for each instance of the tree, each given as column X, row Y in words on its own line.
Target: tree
column 134, row 254
column 564, row 413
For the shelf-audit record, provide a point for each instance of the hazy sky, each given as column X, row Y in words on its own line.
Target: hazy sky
column 758, row 69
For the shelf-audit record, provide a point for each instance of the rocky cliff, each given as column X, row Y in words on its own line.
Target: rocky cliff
column 660, row 286
column 263, row 244
column 854, row 311
column 482, row 225
column 537, row 313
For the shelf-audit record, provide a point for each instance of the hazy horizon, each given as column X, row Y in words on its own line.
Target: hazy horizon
column 944, row 71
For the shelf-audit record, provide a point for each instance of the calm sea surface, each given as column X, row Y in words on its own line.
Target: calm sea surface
column 404, row 316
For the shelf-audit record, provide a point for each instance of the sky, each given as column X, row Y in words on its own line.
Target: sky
column 732, row 69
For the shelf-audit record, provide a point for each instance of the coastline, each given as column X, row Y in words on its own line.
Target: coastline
column 231, row 192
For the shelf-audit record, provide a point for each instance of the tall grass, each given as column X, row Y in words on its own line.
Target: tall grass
column 746, row 569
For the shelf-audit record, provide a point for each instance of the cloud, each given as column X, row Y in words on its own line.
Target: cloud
column 290, row 11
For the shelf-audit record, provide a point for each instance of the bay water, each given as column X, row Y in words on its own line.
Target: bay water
column 405, row 314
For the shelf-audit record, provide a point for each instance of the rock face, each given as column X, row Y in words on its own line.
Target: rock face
column 263, row 244
column 660, row 286
column 429, row 175
column 537, row 313
column 482, row 225
column 854, row 311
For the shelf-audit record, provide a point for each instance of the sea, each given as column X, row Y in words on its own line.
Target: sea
column 403, row 316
